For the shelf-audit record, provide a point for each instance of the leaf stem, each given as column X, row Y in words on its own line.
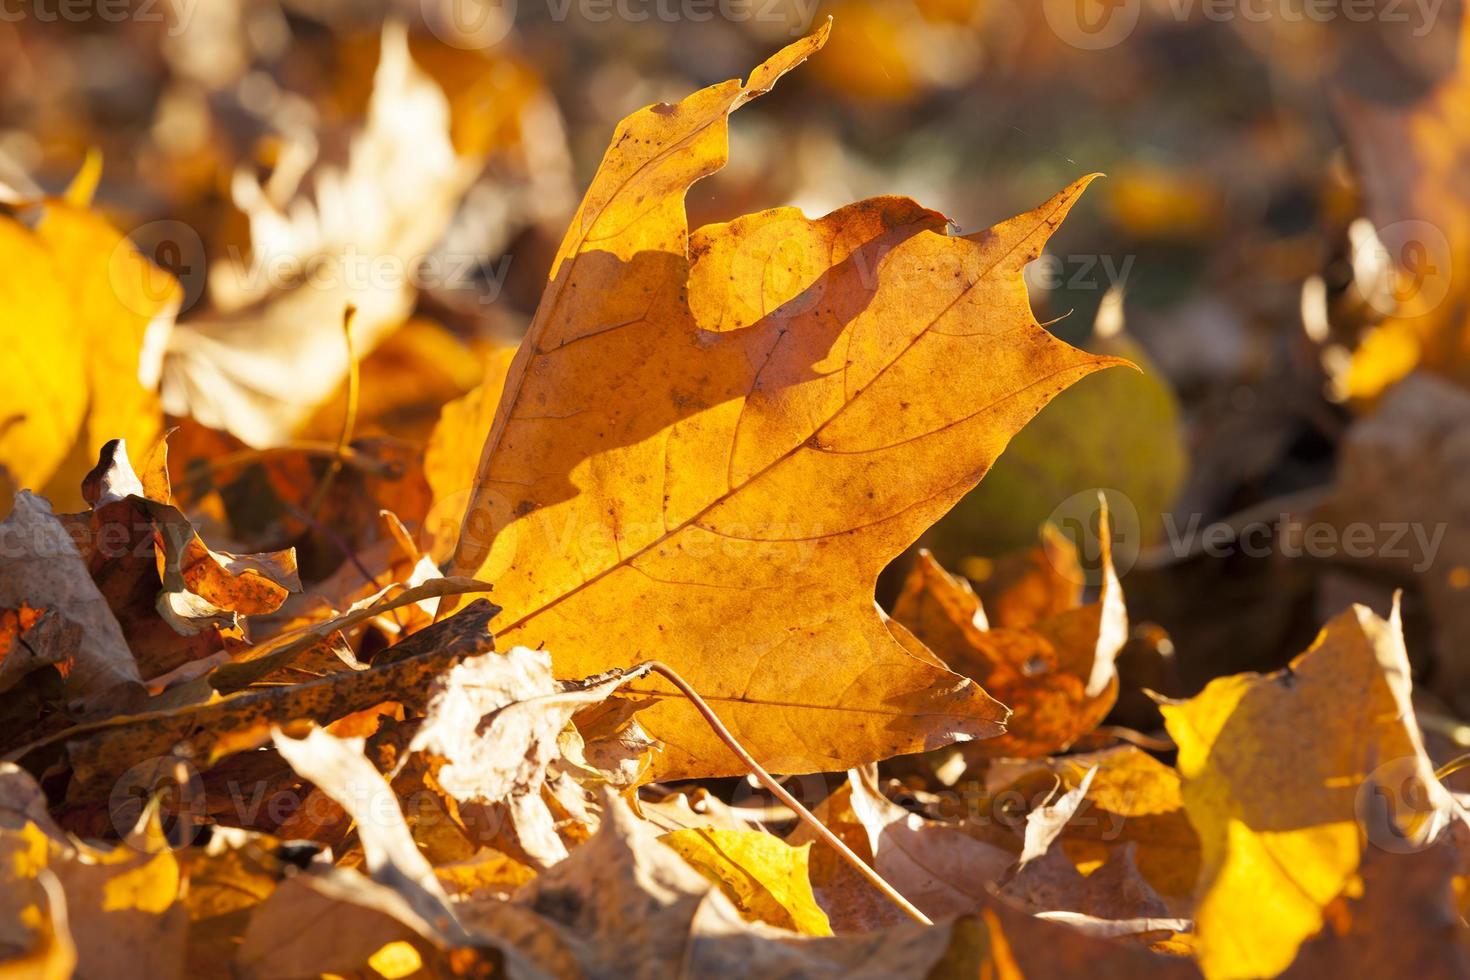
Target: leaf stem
column 1452, row 767
column 769, row 781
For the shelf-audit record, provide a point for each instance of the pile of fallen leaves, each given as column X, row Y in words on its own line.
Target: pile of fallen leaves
column 505, row 700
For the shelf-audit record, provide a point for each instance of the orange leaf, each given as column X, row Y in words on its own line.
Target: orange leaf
column 710, row 443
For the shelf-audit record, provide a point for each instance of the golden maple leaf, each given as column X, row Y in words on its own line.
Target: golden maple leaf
column 710, row 443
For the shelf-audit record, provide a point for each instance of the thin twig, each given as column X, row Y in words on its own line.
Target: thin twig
column 1134, row 737
column 346, row 456
column 349, row 416
column 769, row 781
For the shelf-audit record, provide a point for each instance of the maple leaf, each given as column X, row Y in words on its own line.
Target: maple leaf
column 710, row 443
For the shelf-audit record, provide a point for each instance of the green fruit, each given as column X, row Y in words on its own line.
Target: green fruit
column 1116, row 429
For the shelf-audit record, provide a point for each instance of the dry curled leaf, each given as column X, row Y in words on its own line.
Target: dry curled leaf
column 170, row 592
column 1056, row 673
column 41, row 568
column 491, row 731
column 152, row 741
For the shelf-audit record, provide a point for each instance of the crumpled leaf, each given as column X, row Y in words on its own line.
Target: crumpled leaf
column 625, row 905
column 261, row 661
column 161, row 580
column 769, row 409
column 493, row 724
column 41, row 568
column 338, row 768
column 763, row 875
column 1057, row 675
column 1045, row 823
column 1021, row 588
column 941, row 869
column 265, row 358
column 32, row 638
column 1045, row 881
column 1288, row 777
column 204, row 733
column 1133, row 803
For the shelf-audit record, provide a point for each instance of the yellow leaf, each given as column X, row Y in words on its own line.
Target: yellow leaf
column 710, row 444
column 1284, row 777
column 41, row 417
column 453, row 453
column 396, row 959
column 117, row 296
column 764, row 876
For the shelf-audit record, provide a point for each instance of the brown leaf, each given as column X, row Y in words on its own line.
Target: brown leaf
column 40, row 567
column 172, row 594
column 203, row 733
column 626, row 905
column 941, row 869
column 1056, row 674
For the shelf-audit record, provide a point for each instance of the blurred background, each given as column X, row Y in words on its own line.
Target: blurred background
column 1280, row 244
